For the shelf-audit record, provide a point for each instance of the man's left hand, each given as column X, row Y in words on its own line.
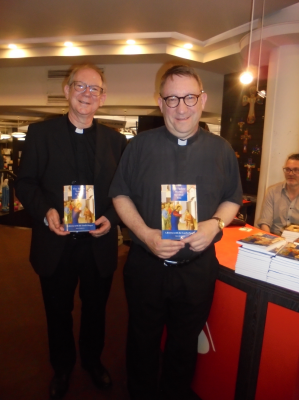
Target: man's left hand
column 201, row 239
column 104, row 227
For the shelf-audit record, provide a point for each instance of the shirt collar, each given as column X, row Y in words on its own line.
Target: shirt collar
column 188, row 141
column 85, row 130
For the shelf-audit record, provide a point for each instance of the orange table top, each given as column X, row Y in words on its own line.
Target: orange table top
column 227, row 248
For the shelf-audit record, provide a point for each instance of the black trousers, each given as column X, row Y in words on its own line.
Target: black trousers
column 178, row 297
column 76, row 265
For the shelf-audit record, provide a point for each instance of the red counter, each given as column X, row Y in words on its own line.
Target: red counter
column 249, row 349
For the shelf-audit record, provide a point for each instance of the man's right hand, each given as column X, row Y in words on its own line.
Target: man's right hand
column 55, row 226
column 162, row 248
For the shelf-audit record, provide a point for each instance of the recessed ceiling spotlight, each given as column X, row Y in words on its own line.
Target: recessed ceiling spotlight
column 130, row 41
column 68, row 44
column 12, row 46
column 188, row 46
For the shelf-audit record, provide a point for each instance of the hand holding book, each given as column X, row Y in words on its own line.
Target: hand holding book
column 206, row 233
column 162, row 248
column 103, row 226
column 54, row 224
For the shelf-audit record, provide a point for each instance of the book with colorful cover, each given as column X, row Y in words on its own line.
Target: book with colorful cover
column 79, row 208
column 291, row 233
column 284, row 267
column 290, row 251
column 277, row 249
column 178, row 211
column 292, row 228
column 262, row 242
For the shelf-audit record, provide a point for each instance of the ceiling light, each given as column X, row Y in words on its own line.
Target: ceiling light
column 17, row 53
column 5, row 136
column 246, row 77
column 188, row 46
column 12, row 46
column 68, row 44
column 71, row 51
column 133, row 49
column 130, row 41
column 183, row 53
column 18, row 134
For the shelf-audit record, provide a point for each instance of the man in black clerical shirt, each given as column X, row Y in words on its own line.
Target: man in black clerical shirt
column 172, row 282
column 68, row 150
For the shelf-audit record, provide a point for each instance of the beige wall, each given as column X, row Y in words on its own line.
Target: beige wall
column 128, row 85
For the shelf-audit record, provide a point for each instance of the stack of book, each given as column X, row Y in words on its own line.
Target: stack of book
column 284, row 267
column 255, row 254
column 270, row 259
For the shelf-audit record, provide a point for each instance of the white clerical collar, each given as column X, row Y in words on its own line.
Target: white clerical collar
column 78, row 130
column 182, row 142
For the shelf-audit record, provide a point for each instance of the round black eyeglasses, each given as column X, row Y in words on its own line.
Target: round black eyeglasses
column 190, row 100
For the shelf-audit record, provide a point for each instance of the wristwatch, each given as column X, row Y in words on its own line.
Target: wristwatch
column 220, row 222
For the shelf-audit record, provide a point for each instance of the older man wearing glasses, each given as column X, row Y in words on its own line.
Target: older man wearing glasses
column 171, row 282
column 68, row 150
column 281, row 204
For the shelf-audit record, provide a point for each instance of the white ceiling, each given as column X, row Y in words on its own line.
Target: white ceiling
column 199, row 19
column 99, row 30
column 103, row 27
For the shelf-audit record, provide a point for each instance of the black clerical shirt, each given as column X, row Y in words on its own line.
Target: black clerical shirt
column 157, row 157
column 84, row 145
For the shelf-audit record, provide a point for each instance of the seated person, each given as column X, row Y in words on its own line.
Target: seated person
column 281, row 204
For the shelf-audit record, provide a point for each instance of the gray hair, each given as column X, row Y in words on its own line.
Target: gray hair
column 76, row 68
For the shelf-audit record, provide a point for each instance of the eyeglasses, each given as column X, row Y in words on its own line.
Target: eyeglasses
column 289, row 170
column 190, row 100
column 94, row 90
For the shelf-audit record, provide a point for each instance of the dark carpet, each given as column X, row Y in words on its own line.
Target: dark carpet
column 25, row 372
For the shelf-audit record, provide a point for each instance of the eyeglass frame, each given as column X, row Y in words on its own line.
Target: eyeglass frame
column 183, row 97
column 87, row 86
column 290, row 170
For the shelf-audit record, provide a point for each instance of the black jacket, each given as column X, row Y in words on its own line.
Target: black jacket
column 47, row 164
